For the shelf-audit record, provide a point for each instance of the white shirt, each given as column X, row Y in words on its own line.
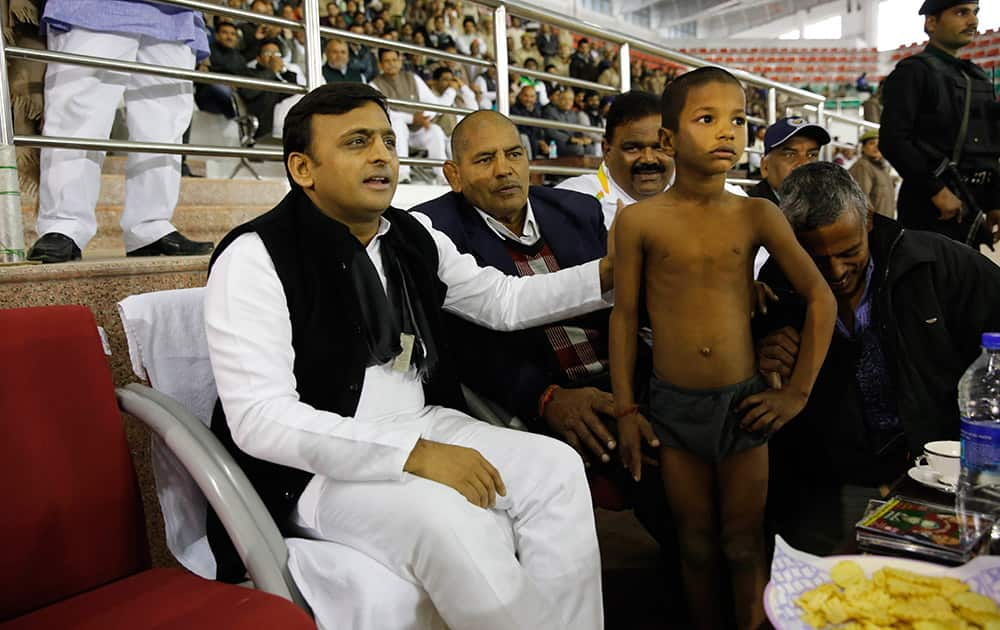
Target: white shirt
column 424, row 95
column 604, row 187
column 529, row 233
column 488, row 97
column 250, row 344
column 465, row 97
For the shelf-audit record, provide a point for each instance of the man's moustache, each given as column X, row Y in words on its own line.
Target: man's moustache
column 639, row 169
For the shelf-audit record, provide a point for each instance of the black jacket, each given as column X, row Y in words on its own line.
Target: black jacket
column 763, row 190
column 923, row 102
column 261, row 103
column 933, row 298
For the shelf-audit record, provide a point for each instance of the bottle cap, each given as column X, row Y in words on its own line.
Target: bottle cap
column 991, row 341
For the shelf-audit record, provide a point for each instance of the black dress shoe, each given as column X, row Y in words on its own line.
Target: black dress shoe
column 173, row 244
column 54, row 248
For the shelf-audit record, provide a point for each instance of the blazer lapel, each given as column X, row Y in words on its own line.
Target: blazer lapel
column 483, row 242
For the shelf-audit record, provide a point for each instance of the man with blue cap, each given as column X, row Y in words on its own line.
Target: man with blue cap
column 788, row 144
column 941, row 130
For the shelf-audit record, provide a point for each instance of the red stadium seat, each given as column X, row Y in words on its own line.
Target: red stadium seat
column 73, row 531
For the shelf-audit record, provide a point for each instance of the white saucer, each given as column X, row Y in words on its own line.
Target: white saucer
column 927, row 476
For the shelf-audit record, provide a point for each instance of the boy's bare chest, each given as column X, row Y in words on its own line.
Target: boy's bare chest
column 710, row 248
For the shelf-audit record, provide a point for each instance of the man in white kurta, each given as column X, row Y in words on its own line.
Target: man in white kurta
column 529, row 559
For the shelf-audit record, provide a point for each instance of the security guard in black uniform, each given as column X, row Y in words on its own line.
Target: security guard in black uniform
column 947, row 152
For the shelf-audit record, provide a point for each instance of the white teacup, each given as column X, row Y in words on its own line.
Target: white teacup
column 944, row 458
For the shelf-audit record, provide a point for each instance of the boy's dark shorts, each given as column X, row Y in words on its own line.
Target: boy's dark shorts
column 703, row 421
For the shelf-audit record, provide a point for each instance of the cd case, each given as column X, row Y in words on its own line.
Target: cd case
column 908, row 527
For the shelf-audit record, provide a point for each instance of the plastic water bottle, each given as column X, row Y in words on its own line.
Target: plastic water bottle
column 978, row 491
column 553, row 151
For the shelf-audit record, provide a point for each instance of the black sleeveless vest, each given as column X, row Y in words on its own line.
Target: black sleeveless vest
column 312, row 256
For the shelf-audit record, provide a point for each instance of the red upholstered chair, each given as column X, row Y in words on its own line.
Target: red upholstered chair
column 72, row 534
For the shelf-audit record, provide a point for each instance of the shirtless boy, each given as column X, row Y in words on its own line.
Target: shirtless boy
column 692, row 249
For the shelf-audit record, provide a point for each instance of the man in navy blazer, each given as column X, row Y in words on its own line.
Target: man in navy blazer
column 555, row 377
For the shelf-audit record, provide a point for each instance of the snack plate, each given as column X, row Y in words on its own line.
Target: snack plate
column 794, row 572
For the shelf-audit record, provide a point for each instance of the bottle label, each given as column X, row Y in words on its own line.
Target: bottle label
column 980, row 446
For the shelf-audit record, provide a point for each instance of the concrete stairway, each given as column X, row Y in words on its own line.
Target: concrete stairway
column 206, row 209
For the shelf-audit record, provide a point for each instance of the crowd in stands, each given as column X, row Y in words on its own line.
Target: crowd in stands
column 275, row 53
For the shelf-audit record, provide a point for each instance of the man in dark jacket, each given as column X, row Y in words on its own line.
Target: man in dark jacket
column 581, row 64
column 338, row 68
column 526, row 104
column 912, row 306
column 261, row 103
column 554, row 378
column 226, row 58
column 923, row 100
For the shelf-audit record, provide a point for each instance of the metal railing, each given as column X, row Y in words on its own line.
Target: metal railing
column 11, row 243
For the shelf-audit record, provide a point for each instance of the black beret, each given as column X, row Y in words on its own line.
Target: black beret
column 930, row 7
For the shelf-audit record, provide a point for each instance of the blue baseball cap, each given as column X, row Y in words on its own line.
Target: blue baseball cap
column 785, row 128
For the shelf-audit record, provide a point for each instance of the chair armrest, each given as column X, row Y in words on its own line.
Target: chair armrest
column 248, row 523
column 489, row 411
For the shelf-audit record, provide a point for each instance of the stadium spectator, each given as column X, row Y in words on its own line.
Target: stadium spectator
column 254, row 34
column 269, row 66
column 486, row 85
column 873, row 175
column 81, row 102
column 227, row 59
column 547, row 42
column 568, row 143
column 450, row 91
column 338, row 67
column 415, row 129
column 469, row 35
column 361, row 58
column 526, row 104
column 581, row 64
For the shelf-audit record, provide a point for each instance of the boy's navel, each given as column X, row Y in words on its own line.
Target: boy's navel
column 706, row 351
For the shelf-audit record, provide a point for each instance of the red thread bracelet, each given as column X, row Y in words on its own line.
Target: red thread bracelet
column 545, row 398
column 627, row 412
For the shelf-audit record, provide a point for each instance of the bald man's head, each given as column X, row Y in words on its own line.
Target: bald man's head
column 489, row 166
column 467, row 129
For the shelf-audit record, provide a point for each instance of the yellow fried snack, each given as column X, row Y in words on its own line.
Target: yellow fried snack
column 845, row 573
column 895, row 598
column 974, row 602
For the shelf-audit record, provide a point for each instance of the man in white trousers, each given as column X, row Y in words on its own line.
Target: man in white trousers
column 80, row 102
column 338, row 394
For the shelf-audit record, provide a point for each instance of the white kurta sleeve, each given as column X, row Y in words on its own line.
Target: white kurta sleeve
column 491, row 298
column 425, row 95
column 250, row 344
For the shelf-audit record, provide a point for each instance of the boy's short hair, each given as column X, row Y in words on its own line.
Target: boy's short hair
column 330, row 99
column 675, row 94
column 630, row 107
column 440, row 71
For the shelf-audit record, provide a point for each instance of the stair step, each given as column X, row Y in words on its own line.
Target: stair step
column 196, row 191
column 115, row 165
column 197, row 222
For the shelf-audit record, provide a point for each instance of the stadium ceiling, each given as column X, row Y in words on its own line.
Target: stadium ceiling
column 718, row 17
